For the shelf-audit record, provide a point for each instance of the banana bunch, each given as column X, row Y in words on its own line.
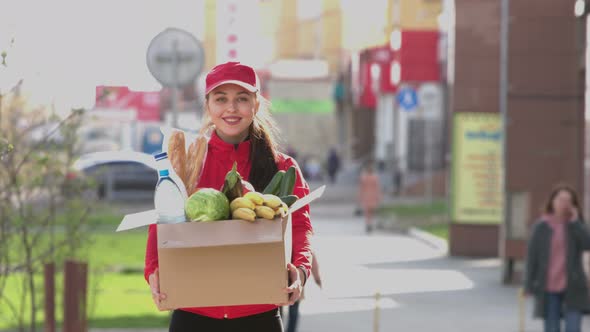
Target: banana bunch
column 256, row 205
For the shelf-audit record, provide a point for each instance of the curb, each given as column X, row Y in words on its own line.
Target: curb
column 429, row 239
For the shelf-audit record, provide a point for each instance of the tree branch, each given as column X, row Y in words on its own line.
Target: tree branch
column 45, row 139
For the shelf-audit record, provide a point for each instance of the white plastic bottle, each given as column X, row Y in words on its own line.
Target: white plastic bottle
column 170, row 197
column 162, row 162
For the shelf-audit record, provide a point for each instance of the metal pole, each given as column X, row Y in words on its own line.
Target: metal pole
column 427, row 184
column 376, row 316
column 394, row 143
column 175, row 61
column 427, row 157
column 505, row 229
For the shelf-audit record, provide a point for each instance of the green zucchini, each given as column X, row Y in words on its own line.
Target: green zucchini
column 274, row 185
column 289, row 200
column 288, row 183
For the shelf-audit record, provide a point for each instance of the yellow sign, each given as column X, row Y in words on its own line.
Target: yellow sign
column 477, row 176
column 420, row 14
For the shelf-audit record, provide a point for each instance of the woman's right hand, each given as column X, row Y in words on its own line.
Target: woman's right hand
column 154, row 281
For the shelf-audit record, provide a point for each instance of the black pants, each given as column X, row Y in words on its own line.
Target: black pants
column 183, row 321
column 293, row 317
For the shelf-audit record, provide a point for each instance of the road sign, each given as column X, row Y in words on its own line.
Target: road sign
column 431, row 100
column 407, row 99
column 175, row 57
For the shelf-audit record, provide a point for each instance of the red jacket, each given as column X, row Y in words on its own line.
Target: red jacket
column 219, row 160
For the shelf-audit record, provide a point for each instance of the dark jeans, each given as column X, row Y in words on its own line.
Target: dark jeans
column 183, row 321
column 553, row 312
column 293, row 317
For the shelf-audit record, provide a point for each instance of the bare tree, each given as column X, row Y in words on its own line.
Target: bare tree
column 42, row 212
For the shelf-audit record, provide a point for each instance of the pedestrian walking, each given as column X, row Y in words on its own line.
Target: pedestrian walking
column 241, row 130
column 554, row 273
column 369, row 194
column 333, row 164
column 294, row 308
column 397, row 177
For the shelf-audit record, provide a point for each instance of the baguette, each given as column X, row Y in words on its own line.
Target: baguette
column 177, row 154
column 195, row 159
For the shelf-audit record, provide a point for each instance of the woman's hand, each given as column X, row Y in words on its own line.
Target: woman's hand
column 294, row 290
column 158, row 297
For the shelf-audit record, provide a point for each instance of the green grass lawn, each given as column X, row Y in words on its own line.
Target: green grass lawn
column 124, row 300
column 428, row 216
column 118, row 295
column 114, row 300
column 440, row 230
column 416, row 210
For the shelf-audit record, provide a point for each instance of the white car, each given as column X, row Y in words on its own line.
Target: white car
column 120, row 174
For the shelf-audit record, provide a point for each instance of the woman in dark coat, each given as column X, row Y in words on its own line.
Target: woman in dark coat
column 554, row 272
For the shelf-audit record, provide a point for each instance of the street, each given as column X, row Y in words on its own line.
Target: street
column 421, row 288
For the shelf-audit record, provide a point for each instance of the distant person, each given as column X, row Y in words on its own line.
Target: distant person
column 397, row 178
column 294, row 309
column 397, row 181
column 333, row 164
column 554, row 273
column 304, row 167
column 313, row 169
column 369, row 194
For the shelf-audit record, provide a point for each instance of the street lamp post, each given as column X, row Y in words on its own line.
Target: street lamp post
column 506, row 226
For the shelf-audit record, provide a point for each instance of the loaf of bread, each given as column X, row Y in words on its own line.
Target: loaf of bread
column 177, row 154
column 194, row 160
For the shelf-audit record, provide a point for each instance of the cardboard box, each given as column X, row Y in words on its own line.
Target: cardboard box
column 228, row 262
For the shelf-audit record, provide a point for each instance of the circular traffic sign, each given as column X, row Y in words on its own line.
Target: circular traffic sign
column 175, row 57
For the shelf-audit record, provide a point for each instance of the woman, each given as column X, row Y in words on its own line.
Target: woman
column 554, row 273
column 243, row 132
column 369, row 194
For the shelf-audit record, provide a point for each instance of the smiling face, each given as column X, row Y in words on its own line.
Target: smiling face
column 231, row 109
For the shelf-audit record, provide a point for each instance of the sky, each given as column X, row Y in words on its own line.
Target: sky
column 62, row 49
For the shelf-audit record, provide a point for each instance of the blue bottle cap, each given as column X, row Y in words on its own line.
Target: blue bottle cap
column 164, row 172
column 161, row 155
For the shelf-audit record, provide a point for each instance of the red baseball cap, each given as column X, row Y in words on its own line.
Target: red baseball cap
column 232, row 73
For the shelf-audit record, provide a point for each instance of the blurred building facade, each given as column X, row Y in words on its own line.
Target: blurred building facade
column 337, row 43
column 397, row 110
column 522, row 63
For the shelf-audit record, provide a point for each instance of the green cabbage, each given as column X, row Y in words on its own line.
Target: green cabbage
column 207, row 204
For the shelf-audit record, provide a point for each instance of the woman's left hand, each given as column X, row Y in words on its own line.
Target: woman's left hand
column 294, row 290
